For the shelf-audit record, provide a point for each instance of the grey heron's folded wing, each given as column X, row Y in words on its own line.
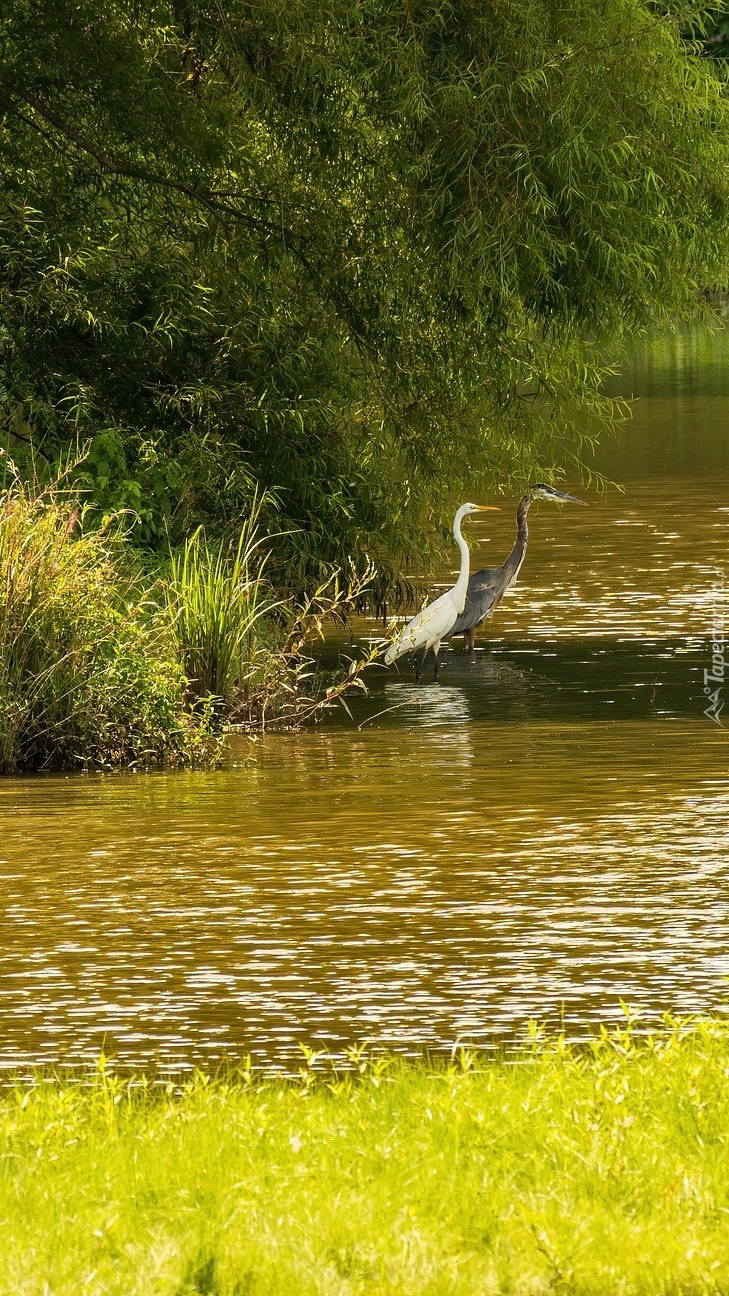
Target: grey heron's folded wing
column 484, row 591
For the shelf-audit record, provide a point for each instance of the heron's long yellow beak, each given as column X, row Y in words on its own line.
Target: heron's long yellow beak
column 488, row 508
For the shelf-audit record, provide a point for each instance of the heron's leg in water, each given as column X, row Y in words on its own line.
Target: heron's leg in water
column 469, row 640
column 436, row 647
column 420, row 666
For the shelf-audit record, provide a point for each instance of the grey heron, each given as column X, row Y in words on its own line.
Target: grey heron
column 487, row 587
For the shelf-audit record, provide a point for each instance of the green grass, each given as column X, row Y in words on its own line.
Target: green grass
column 597, row 1171
column 216, row 596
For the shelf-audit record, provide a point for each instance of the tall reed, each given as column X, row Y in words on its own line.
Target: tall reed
column 216, row 595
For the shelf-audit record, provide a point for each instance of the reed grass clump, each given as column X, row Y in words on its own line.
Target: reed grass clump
column 89, row 673
column 216, row 596
column 590, row 1171
column 245, row 650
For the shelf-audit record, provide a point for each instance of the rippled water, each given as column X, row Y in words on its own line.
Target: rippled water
column 542, row 833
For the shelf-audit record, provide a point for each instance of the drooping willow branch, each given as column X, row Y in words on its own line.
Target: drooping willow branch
column 117, row 166
column 212, row 200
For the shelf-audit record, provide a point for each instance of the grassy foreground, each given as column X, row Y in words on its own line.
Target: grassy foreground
column 600, row 1171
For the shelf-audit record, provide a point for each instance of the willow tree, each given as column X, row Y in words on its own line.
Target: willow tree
column 358, row 252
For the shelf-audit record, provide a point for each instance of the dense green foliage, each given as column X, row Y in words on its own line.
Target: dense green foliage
column 358, row 253
column 590, row 1172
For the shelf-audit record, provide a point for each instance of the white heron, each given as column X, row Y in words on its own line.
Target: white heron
column 436, row 621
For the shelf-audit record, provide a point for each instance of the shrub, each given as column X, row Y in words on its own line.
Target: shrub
column 89, row 672
column 99, row 669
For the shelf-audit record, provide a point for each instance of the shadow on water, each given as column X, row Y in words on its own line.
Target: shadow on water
column 561, row 680
column 544, row 831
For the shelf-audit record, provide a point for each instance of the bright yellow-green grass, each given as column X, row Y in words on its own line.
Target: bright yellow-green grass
column 601, row 1171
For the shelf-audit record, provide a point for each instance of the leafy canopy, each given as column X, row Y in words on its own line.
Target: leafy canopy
column 360, row 253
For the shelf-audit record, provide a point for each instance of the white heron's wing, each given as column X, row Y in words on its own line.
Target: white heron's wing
column 429, row 626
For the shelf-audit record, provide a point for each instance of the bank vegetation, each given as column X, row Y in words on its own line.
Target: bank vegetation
column 110, row 660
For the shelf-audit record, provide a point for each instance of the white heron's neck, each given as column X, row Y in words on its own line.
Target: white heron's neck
column 461, row 585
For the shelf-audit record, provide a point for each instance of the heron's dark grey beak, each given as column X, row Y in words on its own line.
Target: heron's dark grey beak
column 568, row 499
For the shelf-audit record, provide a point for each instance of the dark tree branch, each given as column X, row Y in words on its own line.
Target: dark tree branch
column 34, row 125
column 116, row 166
column 207, row 198
column 19, row 436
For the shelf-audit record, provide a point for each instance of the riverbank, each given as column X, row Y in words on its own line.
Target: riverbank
column 108, row 658
column 598, row 1170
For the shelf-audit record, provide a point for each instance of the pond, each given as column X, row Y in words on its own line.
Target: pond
column 542, row 833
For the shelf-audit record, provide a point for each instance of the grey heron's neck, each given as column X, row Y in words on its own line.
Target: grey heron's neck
column 516, row 557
